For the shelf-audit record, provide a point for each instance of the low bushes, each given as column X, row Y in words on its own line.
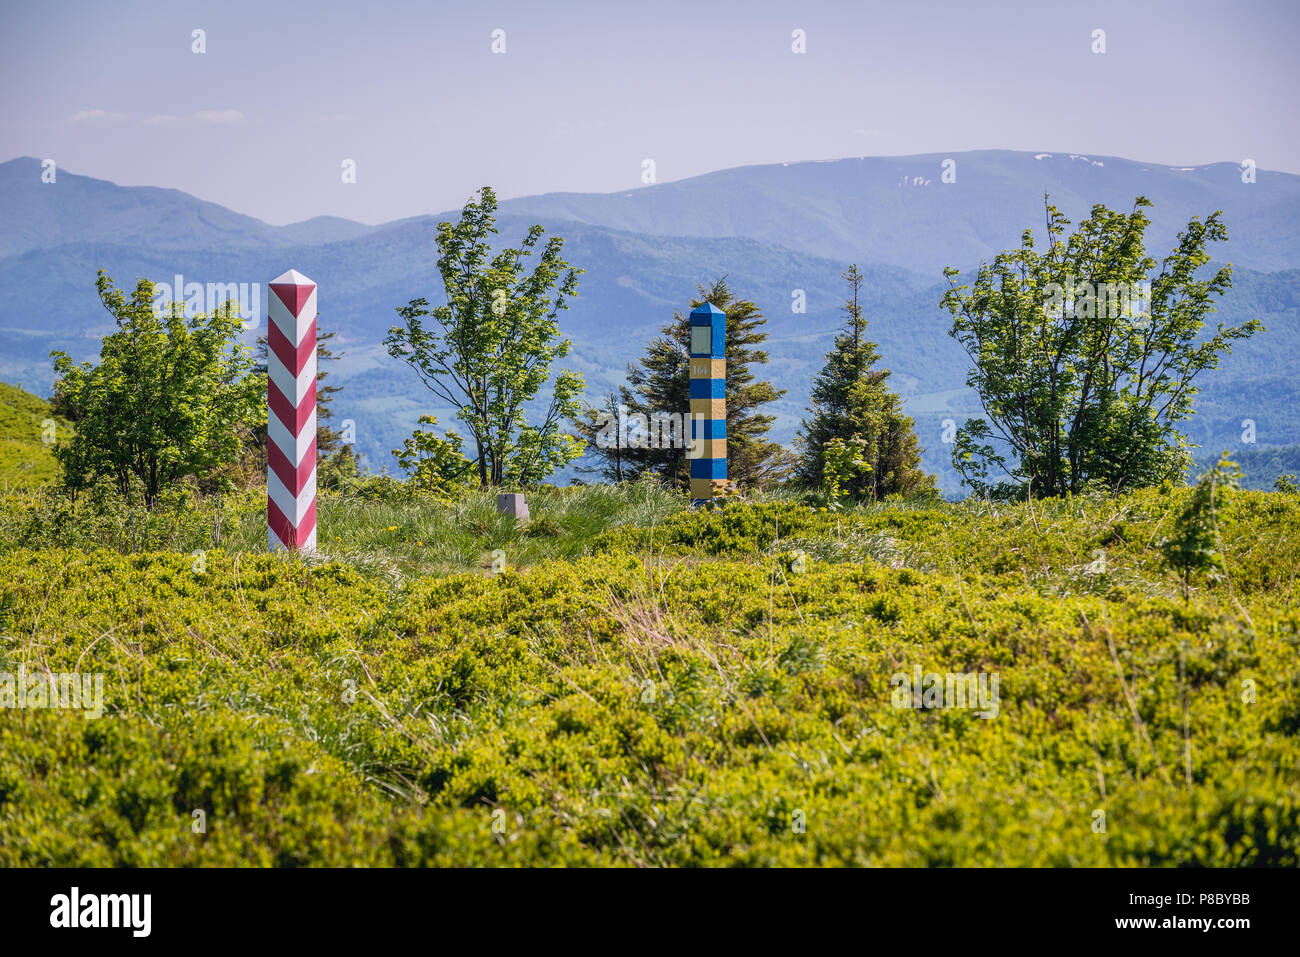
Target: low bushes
column 695, row 689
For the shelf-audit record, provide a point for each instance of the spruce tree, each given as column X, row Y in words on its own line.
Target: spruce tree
column 660, row 383
column 850, row 401
column 335, row 456
column 606, row 446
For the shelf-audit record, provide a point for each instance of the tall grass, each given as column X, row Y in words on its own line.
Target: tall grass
column 395, row 536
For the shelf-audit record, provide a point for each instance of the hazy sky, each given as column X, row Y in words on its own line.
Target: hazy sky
column 585, row 92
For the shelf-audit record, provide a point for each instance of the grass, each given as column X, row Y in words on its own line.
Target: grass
column 26, row 460
column 434, row 540
column 396, row 536
column 646, row 685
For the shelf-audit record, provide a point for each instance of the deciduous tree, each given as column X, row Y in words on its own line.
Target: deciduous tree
column 171, row 397
column 1086, row 354
column 488, row 350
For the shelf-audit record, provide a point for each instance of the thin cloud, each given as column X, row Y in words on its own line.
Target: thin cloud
column 201, row 118
column 214, row 117
column 89, row 116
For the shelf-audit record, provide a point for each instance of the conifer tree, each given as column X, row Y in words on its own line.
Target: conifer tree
column 606, row 446
column 851, row 402
column 660, row 383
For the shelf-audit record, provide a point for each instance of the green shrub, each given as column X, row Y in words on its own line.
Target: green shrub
column 727, row 704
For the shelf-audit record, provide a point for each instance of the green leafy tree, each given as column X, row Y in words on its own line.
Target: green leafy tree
column 172, row 396
column 1085, row 355
column 435, row 464
column 851, row 403
column 1193, row 548
column 844, row 461
column 661, row 384
column 488, row 351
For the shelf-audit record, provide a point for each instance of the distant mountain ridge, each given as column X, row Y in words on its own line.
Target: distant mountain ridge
column 832, row 208
column 899, row 211
column 773, row 230
column 78, row 208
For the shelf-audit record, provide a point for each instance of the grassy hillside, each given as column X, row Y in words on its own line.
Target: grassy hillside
column 25, row 459
column 645, row 685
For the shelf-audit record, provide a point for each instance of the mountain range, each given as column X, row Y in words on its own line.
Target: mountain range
column 771, row 230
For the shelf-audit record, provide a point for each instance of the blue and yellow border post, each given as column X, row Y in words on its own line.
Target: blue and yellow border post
column 708, row 454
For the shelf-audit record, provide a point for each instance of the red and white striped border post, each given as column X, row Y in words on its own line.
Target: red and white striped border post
column 291, row 413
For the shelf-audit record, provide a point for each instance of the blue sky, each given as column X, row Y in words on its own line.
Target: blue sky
column 585, row 92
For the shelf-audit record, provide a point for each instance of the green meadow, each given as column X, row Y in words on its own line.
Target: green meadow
column 625, row 681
